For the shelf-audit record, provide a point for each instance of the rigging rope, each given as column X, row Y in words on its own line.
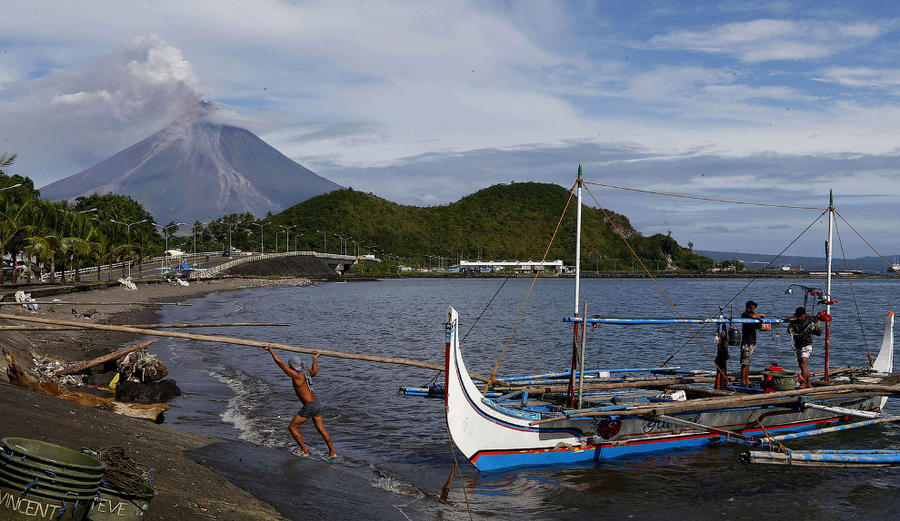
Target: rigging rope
column 752, row 280
column 864, row 239
column 483, row 311
column 647, row 271
column 855, row 302
column 674, row 307
column 530, row 289
column 698, row 198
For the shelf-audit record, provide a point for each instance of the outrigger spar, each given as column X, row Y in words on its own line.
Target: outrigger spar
column 528, row 421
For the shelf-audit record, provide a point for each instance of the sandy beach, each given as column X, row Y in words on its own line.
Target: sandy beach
column 197, row 477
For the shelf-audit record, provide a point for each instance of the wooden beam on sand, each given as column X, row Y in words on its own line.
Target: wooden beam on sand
column 18, row 376
column 237, row 341
column 703, row 404
column 149, row 326
column 58, row 302
column 115, row 355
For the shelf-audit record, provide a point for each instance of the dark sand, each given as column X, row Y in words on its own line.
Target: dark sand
column 197, row 477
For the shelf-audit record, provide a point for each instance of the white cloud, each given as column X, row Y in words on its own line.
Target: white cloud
column 769, row 40
column 862, row 77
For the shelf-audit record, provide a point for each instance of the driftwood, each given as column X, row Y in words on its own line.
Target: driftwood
column 833, row 391
column 58, row 302
column 115, row 355
column 18, row 376
column 239, row 341
column 146, row 326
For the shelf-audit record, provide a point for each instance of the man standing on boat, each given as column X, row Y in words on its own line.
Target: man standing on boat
column 748, row 340
column 301, row 378
column 803, row 327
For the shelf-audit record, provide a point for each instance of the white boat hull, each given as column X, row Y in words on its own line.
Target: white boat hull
column 494, row 437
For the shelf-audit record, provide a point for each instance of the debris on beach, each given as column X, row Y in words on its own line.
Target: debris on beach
column 85, row 314
column 26, row 300
column 47, row 369
column 20, row 378
column 141, row 366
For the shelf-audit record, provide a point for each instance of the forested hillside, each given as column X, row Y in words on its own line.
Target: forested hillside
column 503, row 222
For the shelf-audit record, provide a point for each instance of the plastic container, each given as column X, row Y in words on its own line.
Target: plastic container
column 40, row 480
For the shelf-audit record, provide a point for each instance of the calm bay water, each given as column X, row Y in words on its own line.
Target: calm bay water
column 238, row 392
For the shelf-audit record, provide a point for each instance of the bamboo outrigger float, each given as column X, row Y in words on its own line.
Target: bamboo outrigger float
column 564, row 424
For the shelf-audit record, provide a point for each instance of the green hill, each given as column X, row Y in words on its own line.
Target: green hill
column 503, row 222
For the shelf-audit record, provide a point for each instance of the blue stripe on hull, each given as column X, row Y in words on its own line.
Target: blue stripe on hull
column 488, row 461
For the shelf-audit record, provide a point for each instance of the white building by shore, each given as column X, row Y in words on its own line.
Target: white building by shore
column 555, row 266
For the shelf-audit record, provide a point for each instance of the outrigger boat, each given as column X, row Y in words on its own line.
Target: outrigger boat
column 552, row 420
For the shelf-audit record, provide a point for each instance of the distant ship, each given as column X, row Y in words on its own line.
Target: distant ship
column 895, row 267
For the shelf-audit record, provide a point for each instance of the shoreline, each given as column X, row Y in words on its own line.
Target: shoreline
column 197, row 477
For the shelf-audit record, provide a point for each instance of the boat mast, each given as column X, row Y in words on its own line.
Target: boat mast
column 828, row 299
column 578, row 185
column 578, row 240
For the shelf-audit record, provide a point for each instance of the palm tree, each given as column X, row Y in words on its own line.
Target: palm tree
column 5, row 161
column 79, row 244
column 32, row 246
column 46, row 248
column 12, row 223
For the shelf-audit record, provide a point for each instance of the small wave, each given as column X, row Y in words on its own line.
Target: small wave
column 246, row 409
column 390, row 483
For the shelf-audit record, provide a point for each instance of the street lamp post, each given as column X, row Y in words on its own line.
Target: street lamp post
column 231, row 226
column 262, row 248
column 165, row 230
column 196, row 256
column 341, row 247
column 287, row 237
column 128, row 234
column 324, row 240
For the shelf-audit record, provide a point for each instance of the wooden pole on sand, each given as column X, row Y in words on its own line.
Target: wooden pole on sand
column 236, row 341
column 147, row 326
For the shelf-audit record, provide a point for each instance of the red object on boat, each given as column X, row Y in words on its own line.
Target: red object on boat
column 815, row 293
column 824, row 317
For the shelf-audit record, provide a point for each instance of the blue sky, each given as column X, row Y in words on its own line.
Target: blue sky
column 424, row 102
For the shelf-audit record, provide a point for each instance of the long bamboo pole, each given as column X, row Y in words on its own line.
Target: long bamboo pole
column 736, row 401
column 147, row 326
column 237, row 341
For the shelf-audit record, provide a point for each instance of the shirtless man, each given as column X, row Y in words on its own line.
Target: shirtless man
column 302, row 381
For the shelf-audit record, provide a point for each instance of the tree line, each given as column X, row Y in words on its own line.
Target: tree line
column 513, row 221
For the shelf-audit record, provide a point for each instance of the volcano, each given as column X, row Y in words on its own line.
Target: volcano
column 196, row 171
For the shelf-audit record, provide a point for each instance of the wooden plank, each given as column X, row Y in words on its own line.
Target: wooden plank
column 702, row 404
column 149, row 326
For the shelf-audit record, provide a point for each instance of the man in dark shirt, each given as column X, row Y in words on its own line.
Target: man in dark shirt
column 748, row 340
column 803, row 327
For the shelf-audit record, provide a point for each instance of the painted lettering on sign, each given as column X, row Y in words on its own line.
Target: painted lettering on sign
column 105, row 506
column 28, row 507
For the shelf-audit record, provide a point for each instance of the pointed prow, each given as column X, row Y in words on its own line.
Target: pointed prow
column 885, row 361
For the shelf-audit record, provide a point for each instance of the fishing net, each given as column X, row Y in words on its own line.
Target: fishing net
column 122, row 472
